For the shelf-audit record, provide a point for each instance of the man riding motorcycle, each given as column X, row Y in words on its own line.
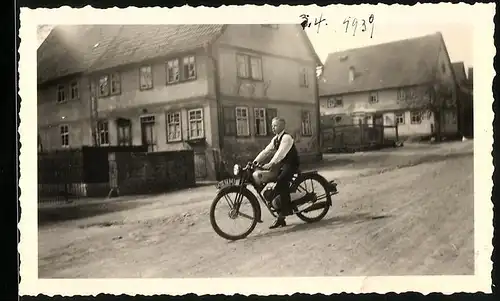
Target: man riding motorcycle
column 285, row 163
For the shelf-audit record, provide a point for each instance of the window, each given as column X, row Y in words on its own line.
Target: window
column 260, row 122
column 187, row 71
column 61, row 94
column 124, row 127
column 249, row 66
column 416, row 117
column 242, row 127
column 195, row 123
column 270, row 114
column 263, row 119
column 104, row 86
column 229, row 121
column 173, row 71
column 145, row 78
column 189, row 68
column 401, row 94
column 400, row 118
column 373, row 98
column 64, row 131
column 335, row 102
column 109, row 84
column 256, row 68
column 115, row 84
column 74, row 91
column 242, row 65
column 103, row 132
column 306, row 124
column 174, row 127
column 304, row 80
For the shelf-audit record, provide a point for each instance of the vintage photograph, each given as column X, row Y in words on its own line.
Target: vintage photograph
column 317, row 148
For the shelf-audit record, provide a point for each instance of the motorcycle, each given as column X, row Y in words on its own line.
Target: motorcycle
column 252, row 175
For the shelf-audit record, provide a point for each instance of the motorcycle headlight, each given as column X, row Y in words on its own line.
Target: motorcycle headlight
column 236, row 169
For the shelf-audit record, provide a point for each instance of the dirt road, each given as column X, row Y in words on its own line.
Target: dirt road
column 413, row 220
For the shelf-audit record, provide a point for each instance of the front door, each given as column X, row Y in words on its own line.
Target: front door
column 124, row 129
column 200, row 165
column 148, row 132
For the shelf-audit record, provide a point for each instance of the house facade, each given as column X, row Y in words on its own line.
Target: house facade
column 408, row 83
column 464, row 96
column 210, row 88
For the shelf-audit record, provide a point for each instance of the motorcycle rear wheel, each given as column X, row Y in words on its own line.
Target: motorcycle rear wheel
column 246, row 195
column 322, row 181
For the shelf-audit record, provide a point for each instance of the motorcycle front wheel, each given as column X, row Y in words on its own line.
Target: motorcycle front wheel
column 237, row 207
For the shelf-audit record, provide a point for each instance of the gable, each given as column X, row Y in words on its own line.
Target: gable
column 459, row 70
column 287, row 40
column 396, row 64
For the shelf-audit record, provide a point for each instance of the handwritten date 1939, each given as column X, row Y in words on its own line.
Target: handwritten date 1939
column 350, row 24
column 354, row 24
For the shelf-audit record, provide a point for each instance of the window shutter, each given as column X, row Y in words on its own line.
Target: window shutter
column 270, row 114
column 229, row 116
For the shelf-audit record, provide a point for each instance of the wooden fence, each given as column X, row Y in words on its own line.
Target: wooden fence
column 354, row 137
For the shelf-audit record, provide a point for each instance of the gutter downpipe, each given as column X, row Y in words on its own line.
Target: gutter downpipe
column 318, row 112
column 220, row 126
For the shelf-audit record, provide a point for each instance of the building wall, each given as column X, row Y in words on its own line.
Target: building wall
column 74, row 113
column 449, row 120
column 407, row 129
column 131, row 103
column 280, row 87
column 281, row 64
column 387, row 104
column 161, row 93
column 250, row 146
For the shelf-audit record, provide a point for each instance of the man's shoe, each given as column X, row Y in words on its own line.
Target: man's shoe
column 279, row 222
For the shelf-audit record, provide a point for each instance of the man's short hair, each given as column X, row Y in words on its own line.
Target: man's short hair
column 279, row 119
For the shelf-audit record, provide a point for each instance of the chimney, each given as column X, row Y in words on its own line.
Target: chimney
column 351, row 74
column 470, row 74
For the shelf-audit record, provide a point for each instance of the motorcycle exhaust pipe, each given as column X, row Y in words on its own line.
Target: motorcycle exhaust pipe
column 332, row 187
column 315, row 206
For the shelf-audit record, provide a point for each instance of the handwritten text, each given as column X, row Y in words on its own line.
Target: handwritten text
column 351, row 25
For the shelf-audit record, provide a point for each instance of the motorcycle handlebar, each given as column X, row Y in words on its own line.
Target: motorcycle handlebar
column 253, row 165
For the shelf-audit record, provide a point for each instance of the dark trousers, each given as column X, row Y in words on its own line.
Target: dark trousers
column 282, row 187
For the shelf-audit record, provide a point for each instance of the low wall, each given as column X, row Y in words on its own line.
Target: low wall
column 74, row 173
column 143, row 173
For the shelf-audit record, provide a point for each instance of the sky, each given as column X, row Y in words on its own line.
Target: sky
column 458, row 38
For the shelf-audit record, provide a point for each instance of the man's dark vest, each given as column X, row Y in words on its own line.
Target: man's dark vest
column 292, row 157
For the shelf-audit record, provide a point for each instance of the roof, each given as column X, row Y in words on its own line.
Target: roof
column 459, row 70
column 401, row 63
column 72, row 49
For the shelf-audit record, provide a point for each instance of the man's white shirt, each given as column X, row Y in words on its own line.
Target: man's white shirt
column 284, row 147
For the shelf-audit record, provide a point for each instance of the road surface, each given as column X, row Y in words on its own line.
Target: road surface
column 405, row 219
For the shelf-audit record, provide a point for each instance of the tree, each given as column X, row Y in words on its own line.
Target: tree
column 431, row 98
